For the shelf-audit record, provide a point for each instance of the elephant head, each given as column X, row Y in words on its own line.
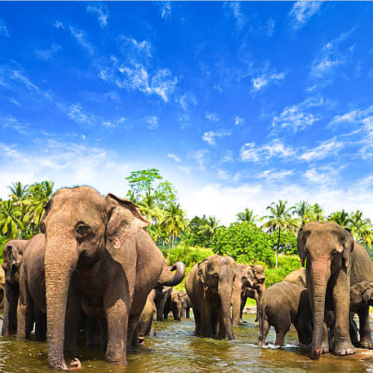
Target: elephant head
column 257, row 278
column 177, row 301
column 326, row 249
column 217, row 275
column 13, row 257
column 361, row 294
column 79, row 225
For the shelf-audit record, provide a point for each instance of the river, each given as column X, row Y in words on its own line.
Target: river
column 174, row 348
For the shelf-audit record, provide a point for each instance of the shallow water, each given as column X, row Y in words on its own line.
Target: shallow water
column 176, row 349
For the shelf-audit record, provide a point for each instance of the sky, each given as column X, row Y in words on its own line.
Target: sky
column 238, row 104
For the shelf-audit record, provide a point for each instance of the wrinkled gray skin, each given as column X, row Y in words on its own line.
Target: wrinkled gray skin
column 210, row 286
column 282, row 304
column 32, row 302
column 177, row 304
column 297, row 277
column 146, row 318
column 163, row 301
column 97, row 254
column 327, row 248
column 186, row 304
column 13, row 257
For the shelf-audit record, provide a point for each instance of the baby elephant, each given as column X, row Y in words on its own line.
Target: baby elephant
column 145, row 322
column 283, row 304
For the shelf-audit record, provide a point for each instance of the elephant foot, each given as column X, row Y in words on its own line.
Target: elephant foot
column 315, row 353
column 325, row 348
column 344, row 348
column 367, row 344
column 75, row 364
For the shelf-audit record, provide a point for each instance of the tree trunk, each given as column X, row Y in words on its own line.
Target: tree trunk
column 278, row 246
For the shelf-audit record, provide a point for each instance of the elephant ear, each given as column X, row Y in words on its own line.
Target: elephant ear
column 347, row 246
column 301, row 244
column 201, row 270
column 124, row 220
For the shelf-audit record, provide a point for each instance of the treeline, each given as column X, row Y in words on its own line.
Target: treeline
column 251, row 239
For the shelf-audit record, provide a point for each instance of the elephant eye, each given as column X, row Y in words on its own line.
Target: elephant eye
column 215, row 275
column 82, row 229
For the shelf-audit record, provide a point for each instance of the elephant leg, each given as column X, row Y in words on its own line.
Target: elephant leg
column 197, row 320
column 25, row 311
column 214, row 324
column 281, row 331
column 40, row 324
column 264, row 330
column 326, row 340
column 365, row 331
column 72, row 323
column 341, row 298
column 103, row 332
column 222, row 330
column 183, row 313
column 187, row 313
column 243, row 304
column 236, row 306
column 132, row 330
column 11, row 294
column 206, row 320
column 89, row 331
column 354, row 331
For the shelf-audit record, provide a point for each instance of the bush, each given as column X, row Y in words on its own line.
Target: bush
column 286, row 264
column 244, row 242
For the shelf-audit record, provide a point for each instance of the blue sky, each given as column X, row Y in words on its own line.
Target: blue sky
column 238, row 104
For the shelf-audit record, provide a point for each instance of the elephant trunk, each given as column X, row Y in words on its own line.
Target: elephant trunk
column 320, row 274
column 236, row 306
column 60, row 262
column 225, row 293
column 168, row 278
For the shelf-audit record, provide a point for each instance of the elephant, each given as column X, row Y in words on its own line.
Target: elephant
column 13, row 256
column 282, row 304
column 187, row 305
column 178, row 303
column 2, row 284
column 327, row 249
column 209, row 286
column 146, row 318
column 32, row 302
column 97, row 253
column 163, row 301
column 297, row 277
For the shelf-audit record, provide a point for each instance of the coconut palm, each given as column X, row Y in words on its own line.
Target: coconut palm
column 11, row 224
column 361, row 229
column 210, row 227
column 341, row 218
column 304, row 211
column 280, row 219
column 174, row 222
column 318, row 212
column 247, row 215
column 18, row 191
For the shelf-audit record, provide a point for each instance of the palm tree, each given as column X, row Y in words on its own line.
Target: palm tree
column 280, row 219
column 174, row 222
column 361, row 229
column 304, row 211
column 341, row 218
column 318, row 212
column 18, row 191
column 247, row 215
column 10, row 220
column 210, row 227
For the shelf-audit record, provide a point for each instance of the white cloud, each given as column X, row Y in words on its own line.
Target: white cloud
column 272, row 175
column 135, row 48
column 223, row 174
column 20, row 77
column 81, row 38
column 77, row 115
column 152, row 122
column 233, row 10
column 14, row 101
column 323, row 176
column 164, row 8
column 200, row 157
column 210, row 136
column 302, row 11
column 3, row 29
column 48, row 54
column 59, row 25
column 250, row 153
column 10, row 122
column 324, row 150
column 186, row 100
column 297, row 117
column 331, row 56
column 101, row 10
column 271, row 27
column 114, row 123
column 228, row 156
column 174, row 157
column 238, row 120
column 262, row 81
column 211, row 116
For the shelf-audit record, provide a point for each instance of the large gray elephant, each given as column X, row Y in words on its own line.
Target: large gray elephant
column 146, row 318
column 32, row 302
column 326, row 248
column 13, row 257
column 97, row 253
column 210, row 286
column 282, row 304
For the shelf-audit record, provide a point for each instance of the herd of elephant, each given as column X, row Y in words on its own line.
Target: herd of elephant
column 94, row 270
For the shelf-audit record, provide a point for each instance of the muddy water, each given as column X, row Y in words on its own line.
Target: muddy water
column 176, row 349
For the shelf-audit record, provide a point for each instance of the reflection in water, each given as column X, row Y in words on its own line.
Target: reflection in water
column 176, row 349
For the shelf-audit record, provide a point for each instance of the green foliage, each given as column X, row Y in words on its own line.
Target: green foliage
column 247, row 215
column 244, row 242
column 288, row 242
column 286, row 264
column 194, row 236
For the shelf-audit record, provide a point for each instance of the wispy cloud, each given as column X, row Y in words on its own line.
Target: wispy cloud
column 134, row 48
column 3, row 29
column 81, row 38
column 186, row 100
column 261, row 82
column 101, row 10
column 331, row 56
column 273, row 175
column 271, row 26
column 302, row 11
column 114, row 123
column 298, row 117
column 152, row 122
column 325, row 149
column 211, row 136
column 233, row 10
column 238, row 121
column 228, row 156
column 250, row 153
column 322, row 176
column 174, row 157
column 59, row 25
column 48, row 54
column 164, row 8
column 76, row 114
column 200, row 156
column 14, row 101
column 211, row 116
column 20, row 77
column 10, row 122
